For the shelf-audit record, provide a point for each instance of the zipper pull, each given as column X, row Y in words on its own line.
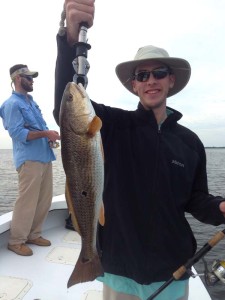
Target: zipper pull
column 159, row 128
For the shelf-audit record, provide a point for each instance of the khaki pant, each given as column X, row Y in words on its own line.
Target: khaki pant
column 109, row 294
column 33, row 202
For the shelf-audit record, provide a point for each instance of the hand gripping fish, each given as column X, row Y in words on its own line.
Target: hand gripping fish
column 82, row 158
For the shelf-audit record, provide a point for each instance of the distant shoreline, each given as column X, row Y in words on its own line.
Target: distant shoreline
column 215, row 147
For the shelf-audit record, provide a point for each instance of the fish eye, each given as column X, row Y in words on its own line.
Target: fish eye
column 70, row 98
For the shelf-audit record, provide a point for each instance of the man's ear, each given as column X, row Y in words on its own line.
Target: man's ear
column 133, row 85
column 172, row 80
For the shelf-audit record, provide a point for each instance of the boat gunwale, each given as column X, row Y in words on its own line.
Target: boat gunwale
column 58, row 202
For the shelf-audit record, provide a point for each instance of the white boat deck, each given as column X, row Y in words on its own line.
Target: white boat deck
column 44, row 275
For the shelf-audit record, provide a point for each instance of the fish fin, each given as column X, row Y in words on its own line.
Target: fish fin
column 85, row 271
column 71, row 209
column 94, row 126
column 101, row 218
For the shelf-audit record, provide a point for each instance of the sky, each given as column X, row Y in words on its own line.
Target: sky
column 193, row 30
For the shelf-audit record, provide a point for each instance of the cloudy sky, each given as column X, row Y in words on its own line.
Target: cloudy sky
column 192, row 29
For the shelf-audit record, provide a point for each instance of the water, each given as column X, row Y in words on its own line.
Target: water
column 9, row 179
column 203, row 232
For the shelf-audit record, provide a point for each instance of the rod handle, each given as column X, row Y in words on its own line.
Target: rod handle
column 216, row 238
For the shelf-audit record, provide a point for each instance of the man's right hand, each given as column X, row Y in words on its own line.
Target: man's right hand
column 78, row 11
column 52, row 135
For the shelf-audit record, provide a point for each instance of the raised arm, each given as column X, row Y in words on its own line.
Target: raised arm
column 77, row 11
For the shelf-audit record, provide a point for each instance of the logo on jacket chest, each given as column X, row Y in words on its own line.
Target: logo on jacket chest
column 179, row 164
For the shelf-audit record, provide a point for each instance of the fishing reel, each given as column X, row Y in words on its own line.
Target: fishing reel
column 216, row 274
column 53, row 144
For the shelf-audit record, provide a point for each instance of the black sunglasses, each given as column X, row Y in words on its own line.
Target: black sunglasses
column 159, row 73
column 29, row 78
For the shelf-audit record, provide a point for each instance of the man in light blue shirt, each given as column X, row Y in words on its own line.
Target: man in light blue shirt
column 33, row 156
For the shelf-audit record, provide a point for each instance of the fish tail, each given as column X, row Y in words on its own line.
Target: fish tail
column 85, row 271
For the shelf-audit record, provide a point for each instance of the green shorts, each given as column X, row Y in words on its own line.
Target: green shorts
column 177, row 290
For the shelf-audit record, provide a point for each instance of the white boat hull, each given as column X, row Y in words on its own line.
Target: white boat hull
column 44, row 275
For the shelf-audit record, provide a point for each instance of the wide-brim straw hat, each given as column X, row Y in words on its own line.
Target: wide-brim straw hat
column 179, row 67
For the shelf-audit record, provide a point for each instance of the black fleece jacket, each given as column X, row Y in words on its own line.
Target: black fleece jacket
column 152, row 177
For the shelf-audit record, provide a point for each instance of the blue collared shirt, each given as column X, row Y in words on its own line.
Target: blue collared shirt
column 19, row 117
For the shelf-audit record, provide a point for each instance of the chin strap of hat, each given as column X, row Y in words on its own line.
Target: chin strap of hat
column 80, row 62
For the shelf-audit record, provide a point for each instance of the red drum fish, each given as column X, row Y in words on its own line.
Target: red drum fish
column 83, row 163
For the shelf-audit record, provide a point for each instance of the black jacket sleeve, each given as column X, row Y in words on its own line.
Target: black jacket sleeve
column 202, row 205
column 63, row 71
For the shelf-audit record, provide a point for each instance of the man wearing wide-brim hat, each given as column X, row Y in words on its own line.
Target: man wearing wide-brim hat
column 155, row 172
column 179, row 67
column 154, row 76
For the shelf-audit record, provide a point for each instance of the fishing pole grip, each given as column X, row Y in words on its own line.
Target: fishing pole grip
column 216, row 238
column 208, row 246
column 179, row 273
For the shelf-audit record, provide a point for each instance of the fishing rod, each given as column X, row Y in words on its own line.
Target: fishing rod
column 218, row 267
